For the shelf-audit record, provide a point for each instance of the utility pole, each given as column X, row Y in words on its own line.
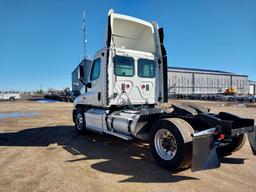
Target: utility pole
column 84, row 28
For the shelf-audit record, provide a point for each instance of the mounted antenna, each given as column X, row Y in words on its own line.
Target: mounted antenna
column 84, row 28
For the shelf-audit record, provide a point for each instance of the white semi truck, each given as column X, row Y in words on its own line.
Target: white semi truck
column 124, row 87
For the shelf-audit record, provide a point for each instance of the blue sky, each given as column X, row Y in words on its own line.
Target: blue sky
column 41, row 40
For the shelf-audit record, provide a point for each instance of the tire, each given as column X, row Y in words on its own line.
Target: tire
column 80, row 122
column 237, row 143
column 180, row 143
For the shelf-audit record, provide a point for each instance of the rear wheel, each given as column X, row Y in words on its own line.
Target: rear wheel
column 169, row 147
column 236, row 144
column 80, row 123
column 165, row 144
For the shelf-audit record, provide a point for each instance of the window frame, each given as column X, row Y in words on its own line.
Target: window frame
column 93, row 64
column 149, row 77
column 115, row 65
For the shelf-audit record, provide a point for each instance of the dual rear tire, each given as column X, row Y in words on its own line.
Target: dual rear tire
column 171, row 143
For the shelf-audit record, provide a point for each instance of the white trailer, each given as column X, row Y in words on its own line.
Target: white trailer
column 124, row 87
column 11, row 96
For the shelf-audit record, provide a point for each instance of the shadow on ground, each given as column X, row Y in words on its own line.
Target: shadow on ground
column 116, row 156
column 231, row 160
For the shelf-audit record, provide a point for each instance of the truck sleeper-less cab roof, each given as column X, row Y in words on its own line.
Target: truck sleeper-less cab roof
column 132, row 33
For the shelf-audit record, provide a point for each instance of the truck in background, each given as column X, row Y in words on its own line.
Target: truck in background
column 9, row 95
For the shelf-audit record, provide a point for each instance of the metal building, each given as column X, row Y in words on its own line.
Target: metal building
column 252, row 87
column 188, row 81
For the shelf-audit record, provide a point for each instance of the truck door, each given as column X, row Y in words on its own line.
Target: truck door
column 94, row 90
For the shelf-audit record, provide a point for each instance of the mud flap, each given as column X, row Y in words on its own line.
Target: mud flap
column 252, row 140
column 204, row 151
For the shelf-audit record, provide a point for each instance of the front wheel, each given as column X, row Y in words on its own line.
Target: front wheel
column 168, row 145
column 80, row 123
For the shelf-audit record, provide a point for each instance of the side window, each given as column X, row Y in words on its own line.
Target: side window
column 95, row 73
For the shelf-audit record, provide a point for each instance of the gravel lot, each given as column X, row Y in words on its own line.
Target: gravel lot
column 44, row 153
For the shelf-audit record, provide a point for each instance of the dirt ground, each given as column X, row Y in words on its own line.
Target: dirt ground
column 44, row 153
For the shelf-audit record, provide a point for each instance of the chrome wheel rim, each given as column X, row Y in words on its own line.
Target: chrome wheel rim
column 165, row 144
column 79, row 121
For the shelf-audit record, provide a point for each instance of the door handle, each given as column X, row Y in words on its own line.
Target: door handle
column 99, row 96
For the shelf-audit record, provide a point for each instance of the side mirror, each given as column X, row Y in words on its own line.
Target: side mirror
column 81, row 77
column 89, row 85
column 80, row 74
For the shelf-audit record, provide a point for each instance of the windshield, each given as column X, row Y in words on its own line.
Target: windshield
column 146, row 68
column 123, row 66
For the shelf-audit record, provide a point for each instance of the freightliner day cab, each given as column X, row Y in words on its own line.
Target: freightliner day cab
column 126, row 83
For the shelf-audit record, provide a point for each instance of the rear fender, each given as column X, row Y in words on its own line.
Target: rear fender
column 184, row 127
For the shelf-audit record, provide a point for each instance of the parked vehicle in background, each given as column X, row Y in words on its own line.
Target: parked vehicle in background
column 230, row 91
column 252, row 99
column 11, row 96
column 65, row 95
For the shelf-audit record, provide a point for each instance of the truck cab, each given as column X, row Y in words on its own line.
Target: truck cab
column 130, row 68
